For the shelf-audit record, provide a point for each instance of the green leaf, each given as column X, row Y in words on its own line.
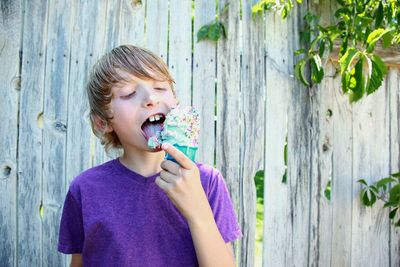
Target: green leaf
column 341, row 2
column 390, row 204
column 396, row 175
column 368, row 197
column 299, row 71
column 223, row 30
column 317, row 71
column 378, row 72
column 374, row 37
column 315, row 41
column 394, row 194
column 299, row 52
column 259, row 182
column 343, row 46
column 345, row 81
column 362, row 193
column 343, row 11
column 374, row 189
column 284, row 177
column 387, row 39
column 285, row 154
column 214, row 32
column 357, row 90
column 256, row 8
column 322, row 48
column 362, row 181
column 392, row 214
column 383, row 182
column 284, row 12
column 327, row 191
column 347, row 59
column 202, row 33
column 379, row 15
column 285, row 160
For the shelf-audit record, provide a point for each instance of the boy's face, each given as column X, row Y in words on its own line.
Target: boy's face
column 133, row 103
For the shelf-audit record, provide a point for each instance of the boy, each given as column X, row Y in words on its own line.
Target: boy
column 139, row 209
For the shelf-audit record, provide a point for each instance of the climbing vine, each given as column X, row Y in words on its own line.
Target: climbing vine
column 359, row 26
column 386, row 190
column 215, row 29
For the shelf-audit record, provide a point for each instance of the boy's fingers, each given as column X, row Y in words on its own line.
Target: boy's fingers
column 167, row 177
column 171, row 166
column 162, row 184
column 184, row 161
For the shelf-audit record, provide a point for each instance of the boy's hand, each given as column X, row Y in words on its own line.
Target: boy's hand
column 183, row 186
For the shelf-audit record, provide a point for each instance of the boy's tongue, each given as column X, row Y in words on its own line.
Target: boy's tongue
column 152, row 129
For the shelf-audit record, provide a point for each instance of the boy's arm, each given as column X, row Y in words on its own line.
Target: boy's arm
column 76, row 260
column 181, row 182
column 211, row 249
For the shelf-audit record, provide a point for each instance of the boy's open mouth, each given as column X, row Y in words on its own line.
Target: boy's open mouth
column 153, row 125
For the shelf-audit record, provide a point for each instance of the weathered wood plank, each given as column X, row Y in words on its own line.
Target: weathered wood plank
column 321, row 172
column 30, row 149
column 10, row 73
column 252, row 126
column 204, row 70
column 110, row 31
column 157, row 27
column 131, row 22
column 300, row 147
column 84, row 149
column 342, row 181
column 180, row 48
column 60, row 21
column 342, row 175
column 370, row 226
column 87, row 46
column 278, row 85
column 321, row 97
column 228, row 110
column 393, row 84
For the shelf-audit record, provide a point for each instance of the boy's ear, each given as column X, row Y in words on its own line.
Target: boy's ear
column 101, row 125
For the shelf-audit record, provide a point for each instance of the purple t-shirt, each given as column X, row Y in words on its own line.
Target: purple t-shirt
column 116, row 217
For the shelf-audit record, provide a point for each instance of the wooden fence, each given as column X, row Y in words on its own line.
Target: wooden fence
column 46, row 51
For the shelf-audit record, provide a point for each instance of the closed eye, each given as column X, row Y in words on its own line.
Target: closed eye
column 160, row 88
column 128, row 96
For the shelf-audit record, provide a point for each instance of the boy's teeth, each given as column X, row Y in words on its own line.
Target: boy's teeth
column 155, row 118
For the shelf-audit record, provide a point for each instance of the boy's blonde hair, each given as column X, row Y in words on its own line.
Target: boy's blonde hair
column 134, row 60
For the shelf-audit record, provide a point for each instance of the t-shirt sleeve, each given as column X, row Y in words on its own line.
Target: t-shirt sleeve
column 222, row 207
column 71, row 233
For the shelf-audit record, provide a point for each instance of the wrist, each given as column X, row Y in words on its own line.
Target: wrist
column 202, row 219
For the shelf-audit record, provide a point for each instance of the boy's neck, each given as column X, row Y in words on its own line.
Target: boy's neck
column 145, row 163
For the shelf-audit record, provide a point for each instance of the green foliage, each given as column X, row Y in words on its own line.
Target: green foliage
column 285, row 160
column 360, row 25
column 283, row 7
column 259, row 181
column 212, row 31
column 327, row 191
column 215, row 29
column 387, row 190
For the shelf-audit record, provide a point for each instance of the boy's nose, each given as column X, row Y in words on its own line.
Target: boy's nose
column 151, row 100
